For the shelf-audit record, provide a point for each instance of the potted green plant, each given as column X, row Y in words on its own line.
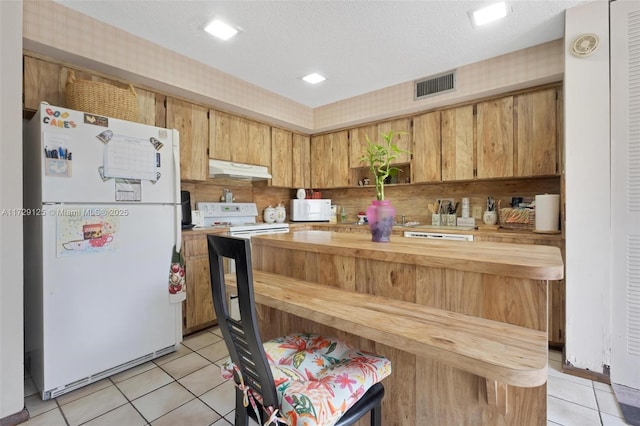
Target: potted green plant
column 380, row 214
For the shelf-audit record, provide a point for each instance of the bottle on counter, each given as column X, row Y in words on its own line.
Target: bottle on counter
column 343, row 215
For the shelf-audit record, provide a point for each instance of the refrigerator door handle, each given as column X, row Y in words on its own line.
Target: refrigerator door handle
column 177, row 205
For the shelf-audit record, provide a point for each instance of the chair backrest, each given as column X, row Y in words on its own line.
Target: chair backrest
column 241, row 337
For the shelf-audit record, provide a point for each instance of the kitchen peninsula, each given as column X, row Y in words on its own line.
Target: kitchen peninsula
column 478, row 351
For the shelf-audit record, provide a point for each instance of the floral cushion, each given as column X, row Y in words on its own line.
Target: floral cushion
column 319, row 379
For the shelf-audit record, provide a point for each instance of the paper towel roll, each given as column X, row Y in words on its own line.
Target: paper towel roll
column 547, row 212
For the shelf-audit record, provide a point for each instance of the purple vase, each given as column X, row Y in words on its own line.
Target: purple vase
column 380, row 215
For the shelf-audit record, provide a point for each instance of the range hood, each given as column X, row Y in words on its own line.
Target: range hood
column 231, row 170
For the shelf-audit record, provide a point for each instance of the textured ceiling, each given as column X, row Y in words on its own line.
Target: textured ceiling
column 360, row 46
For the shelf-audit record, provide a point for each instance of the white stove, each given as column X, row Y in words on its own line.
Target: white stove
column 240, row 218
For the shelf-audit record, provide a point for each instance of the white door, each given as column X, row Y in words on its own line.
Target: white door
column 625, row 192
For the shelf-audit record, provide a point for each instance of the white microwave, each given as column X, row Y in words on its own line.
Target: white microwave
column 310, row 210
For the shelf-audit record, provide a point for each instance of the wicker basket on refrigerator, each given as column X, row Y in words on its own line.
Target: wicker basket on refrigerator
column 101, row 98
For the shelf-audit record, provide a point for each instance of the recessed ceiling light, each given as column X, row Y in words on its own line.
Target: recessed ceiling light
column 221, row 30
column 313, row 78
column 489, row 14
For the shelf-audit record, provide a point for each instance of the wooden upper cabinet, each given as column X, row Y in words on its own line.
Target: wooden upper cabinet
column 146, row 106
column 281, row 157
column 192, row 123
column 403, row 141
column 219, row 135
column 536, row 145
column 319, row 147
column 457, row 143
column 330, row 160
column 358, row 144
column 259, row 148
column 239, row 139
column 47, row 81
column 426, row 148
column 43, row 82
column 495, row 138
column 301, row 161
column 233, row 138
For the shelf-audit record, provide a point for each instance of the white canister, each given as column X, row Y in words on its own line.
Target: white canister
column 281, row 213
column 269, row 215
column 301, row 194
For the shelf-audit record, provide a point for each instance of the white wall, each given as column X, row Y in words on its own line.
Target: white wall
column 588, row 240
column 11, row 320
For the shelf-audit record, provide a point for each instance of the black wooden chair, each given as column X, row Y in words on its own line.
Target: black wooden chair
column 267, row 384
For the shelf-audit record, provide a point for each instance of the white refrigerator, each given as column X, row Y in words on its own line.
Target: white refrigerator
column 101, row 226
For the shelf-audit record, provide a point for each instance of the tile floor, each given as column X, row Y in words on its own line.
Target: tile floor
column 185, row 388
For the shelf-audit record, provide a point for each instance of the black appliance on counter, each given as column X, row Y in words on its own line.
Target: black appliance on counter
column 185, row 201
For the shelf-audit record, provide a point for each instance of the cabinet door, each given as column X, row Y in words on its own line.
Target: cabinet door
column 358, row 144
column 339, row 159
column 301, row 161
column 219, row 135
column 495, row 138
column 281, row 157
column 43, row 82
column 457, row 143
column 259, row 149
column 402, row 128
column 320, row 146
column 199, row 303
column 330, row 160
column 146, row 106
column 239, row 139
column 426, row 148
column 536, row 133
column 192, row 123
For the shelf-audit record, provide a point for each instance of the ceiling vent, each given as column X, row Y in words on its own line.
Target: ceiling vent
column 431, row 86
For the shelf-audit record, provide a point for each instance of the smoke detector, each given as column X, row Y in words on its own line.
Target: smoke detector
column 584, row 45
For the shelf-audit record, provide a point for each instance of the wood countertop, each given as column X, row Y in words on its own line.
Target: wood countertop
column 497, row 351
column 536, row 262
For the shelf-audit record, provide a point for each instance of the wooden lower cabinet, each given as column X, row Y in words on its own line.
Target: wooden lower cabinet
column 197, row 312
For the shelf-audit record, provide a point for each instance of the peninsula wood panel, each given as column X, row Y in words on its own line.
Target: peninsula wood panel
column 457, row 143
column 301, row 161
column 424, row 391
column 281, row 157
column 536, row 133
column 556, row 288
column 495, row 138
column 426, row 148
column 193, row 124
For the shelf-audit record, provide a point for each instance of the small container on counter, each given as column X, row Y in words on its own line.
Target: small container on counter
column 281, row 213
column 269, row 215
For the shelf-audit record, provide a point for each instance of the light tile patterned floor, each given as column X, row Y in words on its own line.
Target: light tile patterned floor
column 185, row 388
